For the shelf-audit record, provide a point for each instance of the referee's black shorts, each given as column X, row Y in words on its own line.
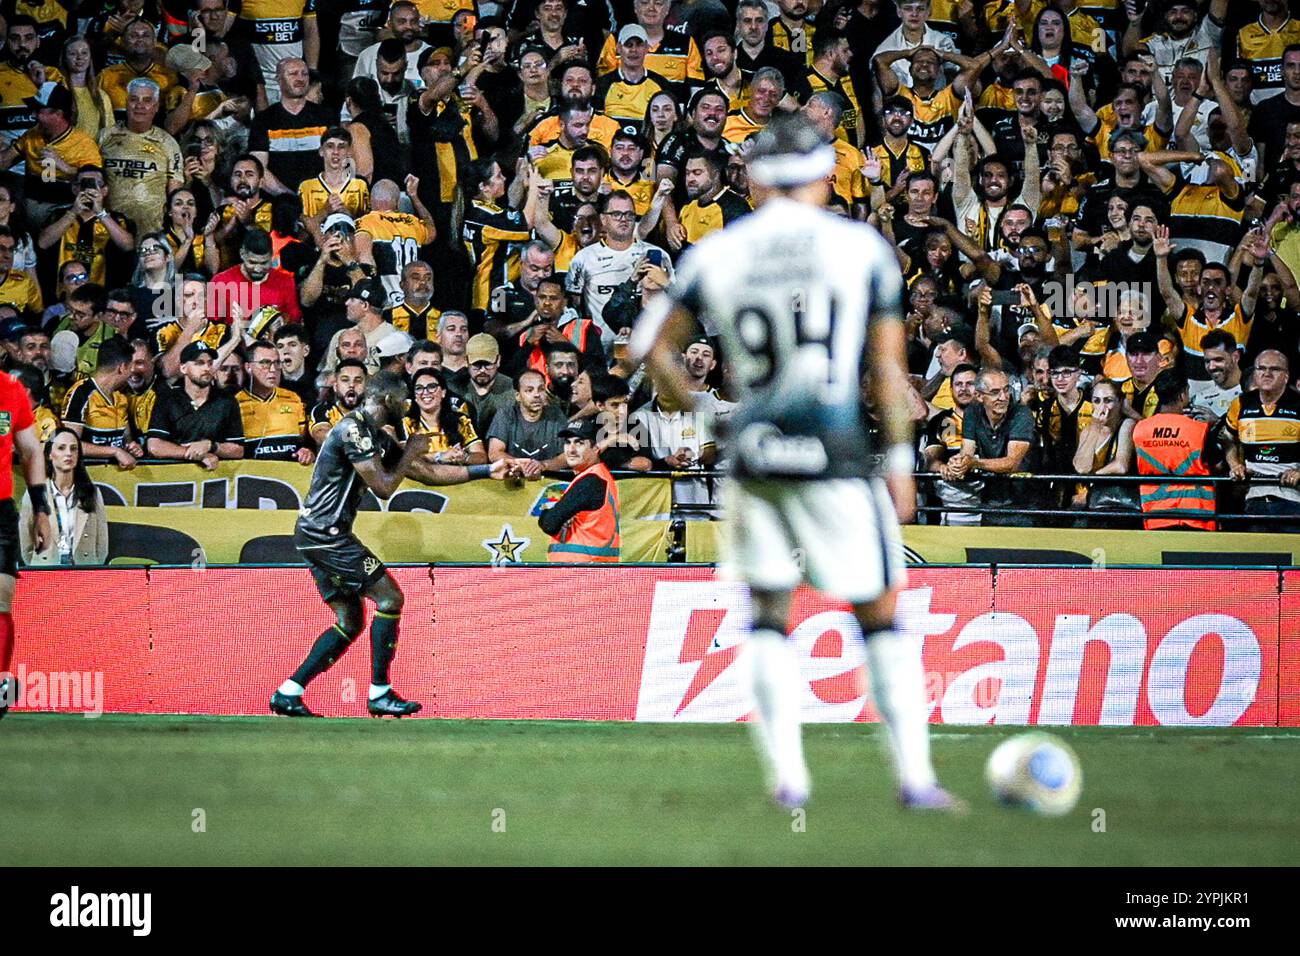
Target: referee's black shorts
column 9, row 543
column 342, row 569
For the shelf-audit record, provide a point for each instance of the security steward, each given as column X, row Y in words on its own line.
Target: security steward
column 583, row 523
column 1172, row 444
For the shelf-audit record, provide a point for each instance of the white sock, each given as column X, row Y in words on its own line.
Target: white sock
column 292, row 689
column 777, row 690
column 377, row 691
column 898, row 688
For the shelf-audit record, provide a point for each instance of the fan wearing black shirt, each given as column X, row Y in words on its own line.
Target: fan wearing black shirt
column 286, row 137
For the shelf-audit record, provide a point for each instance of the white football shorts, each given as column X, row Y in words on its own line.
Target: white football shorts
column 839, row 535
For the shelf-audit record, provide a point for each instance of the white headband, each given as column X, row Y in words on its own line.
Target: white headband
column 793, row 169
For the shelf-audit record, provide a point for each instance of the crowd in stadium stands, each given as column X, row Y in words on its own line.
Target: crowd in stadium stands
column 217, row 219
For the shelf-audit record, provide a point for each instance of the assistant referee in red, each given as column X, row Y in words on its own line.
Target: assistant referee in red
column 17, row 430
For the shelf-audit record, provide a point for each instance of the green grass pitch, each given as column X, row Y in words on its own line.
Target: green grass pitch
column 124, row 790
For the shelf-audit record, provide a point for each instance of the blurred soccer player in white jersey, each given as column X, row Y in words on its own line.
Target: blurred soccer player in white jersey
column 802, row 299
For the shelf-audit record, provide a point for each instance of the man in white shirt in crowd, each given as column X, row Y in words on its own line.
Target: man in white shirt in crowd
column 599, row 269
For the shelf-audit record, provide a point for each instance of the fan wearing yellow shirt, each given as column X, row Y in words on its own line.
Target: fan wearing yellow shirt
column 793, row 30
column 1123, row 113
column 492, row 235
column 625, row 164
column 390, row 240
column 848, row 180
column 16, row 287
column 554, row 160
column 335, row 189
column 671, row 52
column 934, row 110
column 53, row 150
column 442, row 11
column 139, row 41
column 624, row 94
column 414, row 313
column 830, row 71
column 712, row 204
column 765, row 91
column 16, row 85
column 275, row 421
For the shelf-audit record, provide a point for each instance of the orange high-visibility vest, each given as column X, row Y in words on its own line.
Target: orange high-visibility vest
column 591, row 535
column 1169, row 444
column 576, row 332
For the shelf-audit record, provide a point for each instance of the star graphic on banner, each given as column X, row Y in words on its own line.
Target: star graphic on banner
column 505, row 549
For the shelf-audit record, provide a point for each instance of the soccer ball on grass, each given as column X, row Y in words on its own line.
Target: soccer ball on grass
column 1035, row 771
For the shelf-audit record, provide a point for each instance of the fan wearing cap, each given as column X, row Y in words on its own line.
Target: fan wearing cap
column 487, row 391
column 194, row 420
column 671, row 52
column 442, row 139
column 335, row 189
column 391, row 352
column 53, row 149
column 1142, row 351
column 626, row 164
column 139, row 40
column 365, row 305
column 625, row 92
column 273, row 418
column 584, row 522
column 199, row 95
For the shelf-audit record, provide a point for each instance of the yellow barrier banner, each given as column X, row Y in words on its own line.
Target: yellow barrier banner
column 198, row 537
column 936, row 544
column 281, row 486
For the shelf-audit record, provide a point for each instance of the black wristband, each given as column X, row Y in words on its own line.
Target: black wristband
column 478, row 471
column 39, row 501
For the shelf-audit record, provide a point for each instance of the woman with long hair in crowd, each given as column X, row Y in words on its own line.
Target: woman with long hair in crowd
column 77, row 513
column 93, row 109
column 453, row 438
column 11, row 216
column 193, row 250
column 1105, row 448
column 207, row 165
column 154, row 289
column 661, row 116
column 535, row 79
